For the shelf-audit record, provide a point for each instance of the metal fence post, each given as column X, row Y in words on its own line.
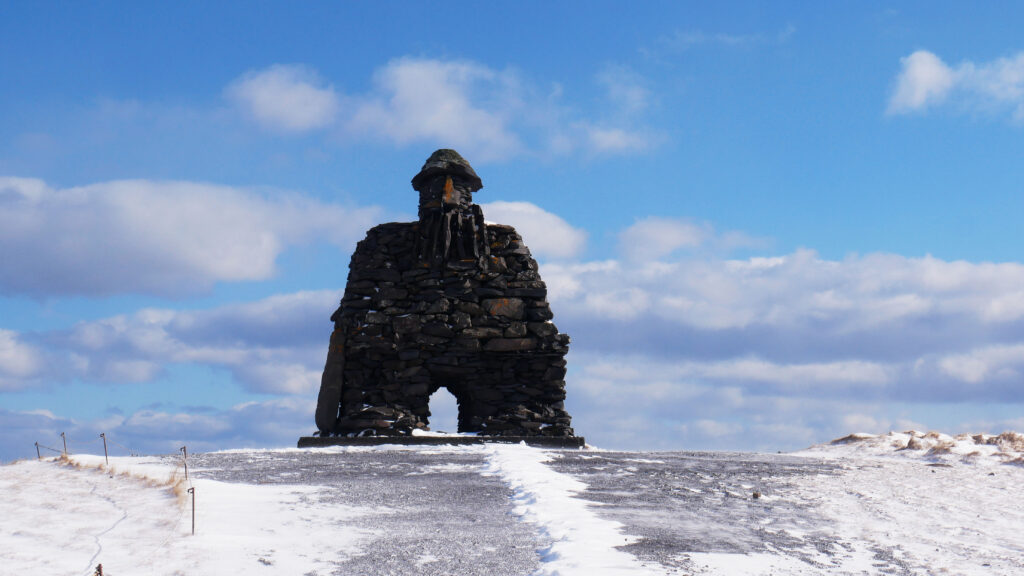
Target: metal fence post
column 105, row 457
column 65, row 439
column 38, row 455
column 192, row 491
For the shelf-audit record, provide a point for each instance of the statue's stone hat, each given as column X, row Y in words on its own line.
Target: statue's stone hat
column 447, row 161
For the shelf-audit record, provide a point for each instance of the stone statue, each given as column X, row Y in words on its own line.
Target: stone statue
column 446, row 301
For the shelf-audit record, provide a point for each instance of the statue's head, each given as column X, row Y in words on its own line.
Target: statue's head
column 446, row 182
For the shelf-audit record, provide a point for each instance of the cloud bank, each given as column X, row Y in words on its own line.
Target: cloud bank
column 790, row 348
column 273, row 423
column 547, row 234
column 926, row 82
column 168, row 238
column 708, row 350
column 285, row 98
column 19, row 362
column 485, row 112
column 269, row 346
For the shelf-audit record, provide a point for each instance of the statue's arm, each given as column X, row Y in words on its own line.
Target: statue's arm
column 328, row 402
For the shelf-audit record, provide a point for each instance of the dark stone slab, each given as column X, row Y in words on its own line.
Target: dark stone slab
column 538, row 441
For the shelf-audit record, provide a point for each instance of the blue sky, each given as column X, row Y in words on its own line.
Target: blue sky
column 763, row 224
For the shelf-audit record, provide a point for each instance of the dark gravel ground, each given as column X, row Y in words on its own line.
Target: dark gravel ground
column 438, row 514
column 435, row 505
column 679, row 502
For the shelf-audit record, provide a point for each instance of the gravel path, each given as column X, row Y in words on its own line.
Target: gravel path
column 437, row 514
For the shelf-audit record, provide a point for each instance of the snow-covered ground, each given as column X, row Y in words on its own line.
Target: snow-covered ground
column 901, row 503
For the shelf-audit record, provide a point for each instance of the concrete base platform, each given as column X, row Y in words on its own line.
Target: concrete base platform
column 539, row 441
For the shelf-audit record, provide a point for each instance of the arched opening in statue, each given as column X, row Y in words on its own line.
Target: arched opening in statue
column 444, row 410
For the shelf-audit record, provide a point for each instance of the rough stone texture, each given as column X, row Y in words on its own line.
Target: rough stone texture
column 446, row 301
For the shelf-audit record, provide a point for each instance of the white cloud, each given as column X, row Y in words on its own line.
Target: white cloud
column 653, row 237
column 275, row 345
column 791, row 376
column 674, row 406
column 656, row 238
column 163, row 238
column 926, row 81
column 748, row 374
column 485, row 112
column 866, row 423
column 155, row 424
column 266, row 424
column 796, row 347
column 460, row 103
column 790, row 345
column 883, row 325
column 626, row 89
column 495, row 114
column 618, row 304
column 547, row 234
column 857, row 295
column 636, row 400
column 288, row 98
column 604, row 139
column 275, row 373
column 1001, row 362
column 19, row 362
column 715, row 428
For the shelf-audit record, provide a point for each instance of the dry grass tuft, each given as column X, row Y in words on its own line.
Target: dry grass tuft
column 850, row 438
column 175, row 481
column 971, row 456
column 1018, row 461
column 940, row 448
column 179, row 488
column 1010, row 441
column 67, row 461
column 914, row 444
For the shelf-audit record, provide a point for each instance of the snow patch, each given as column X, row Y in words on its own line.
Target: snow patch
column 128, row 517
column 582, row 543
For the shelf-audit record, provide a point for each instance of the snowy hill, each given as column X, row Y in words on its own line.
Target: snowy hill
column 981, row 449
column 909, row 503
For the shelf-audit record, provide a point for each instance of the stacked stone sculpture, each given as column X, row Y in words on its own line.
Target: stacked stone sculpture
column 446, row 301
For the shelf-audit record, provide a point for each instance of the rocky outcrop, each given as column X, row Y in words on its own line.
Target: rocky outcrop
column 446, row 301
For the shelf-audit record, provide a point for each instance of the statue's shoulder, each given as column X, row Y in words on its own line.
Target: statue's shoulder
column 502, row 233
column 388, row 233
column 504, row 240
column 391, row 228
column 500, row 229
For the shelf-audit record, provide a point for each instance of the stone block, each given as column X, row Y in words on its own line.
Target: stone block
column 539, row 314
column 438, row 329
column 510, row 344
column 406, row 324
column 515, row 330
column 507, row 307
